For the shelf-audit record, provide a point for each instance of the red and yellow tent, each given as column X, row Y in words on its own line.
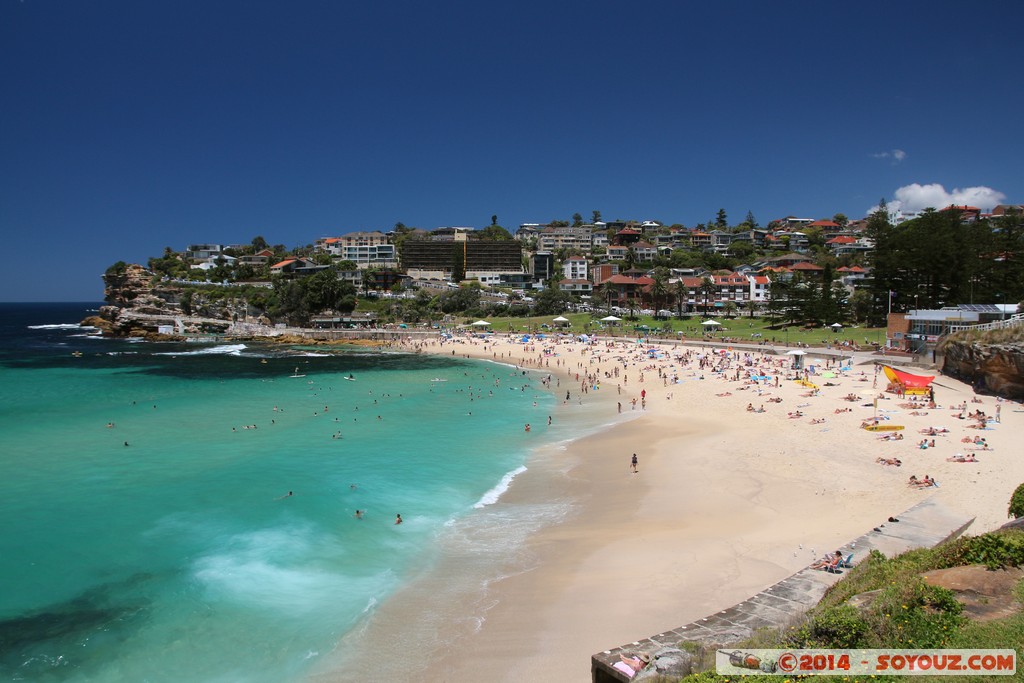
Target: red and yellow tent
column 912, row 384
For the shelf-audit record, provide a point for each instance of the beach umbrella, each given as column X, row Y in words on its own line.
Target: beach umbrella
column 481, row 323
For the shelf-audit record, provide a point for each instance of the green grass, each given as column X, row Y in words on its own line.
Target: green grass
column 905, row 612
column 737, row 329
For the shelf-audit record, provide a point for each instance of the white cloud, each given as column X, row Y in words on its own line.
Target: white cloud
column 915, row 197
column 897, row 155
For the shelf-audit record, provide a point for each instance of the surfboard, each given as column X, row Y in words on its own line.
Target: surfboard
column 884, row 428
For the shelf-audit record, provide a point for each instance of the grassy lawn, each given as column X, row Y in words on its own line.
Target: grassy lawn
column 737, row 329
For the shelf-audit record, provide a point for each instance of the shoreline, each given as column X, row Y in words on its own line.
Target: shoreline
column 725, row 503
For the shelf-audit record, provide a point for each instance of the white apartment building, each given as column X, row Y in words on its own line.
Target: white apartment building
column 575, row 268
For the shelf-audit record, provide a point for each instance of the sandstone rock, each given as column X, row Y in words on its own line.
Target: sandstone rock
column 668, row 662
column 985, row 594
column 998, row 368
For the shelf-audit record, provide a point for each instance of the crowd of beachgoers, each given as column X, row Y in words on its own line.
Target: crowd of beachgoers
column 721, row 470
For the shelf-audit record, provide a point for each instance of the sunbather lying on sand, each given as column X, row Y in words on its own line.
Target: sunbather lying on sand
column 962, row 458
column 895, row 462
column 921, row 483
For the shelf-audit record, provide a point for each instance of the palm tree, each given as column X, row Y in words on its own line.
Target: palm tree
column 707, row 288
column 659, row 289
column 680, row 291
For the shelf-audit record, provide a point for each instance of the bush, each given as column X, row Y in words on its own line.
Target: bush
column 1017, row 503
column 841, row 627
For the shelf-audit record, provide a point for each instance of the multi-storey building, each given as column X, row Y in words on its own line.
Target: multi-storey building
column 574, row 268
column 567, row 237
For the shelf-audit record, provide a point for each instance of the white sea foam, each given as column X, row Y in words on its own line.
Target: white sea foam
column 225, row 350
column 56, row 326
column 492, row 496
column 277, row 568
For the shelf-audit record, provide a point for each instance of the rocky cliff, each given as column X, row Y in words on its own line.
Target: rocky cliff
column 994, row 368
column 138, row 303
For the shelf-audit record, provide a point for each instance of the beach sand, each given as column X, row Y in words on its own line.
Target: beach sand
column 725, row 503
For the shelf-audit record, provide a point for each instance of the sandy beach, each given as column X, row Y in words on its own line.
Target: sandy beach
column 740, row 482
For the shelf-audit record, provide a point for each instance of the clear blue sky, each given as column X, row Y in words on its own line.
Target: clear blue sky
column 127, row 126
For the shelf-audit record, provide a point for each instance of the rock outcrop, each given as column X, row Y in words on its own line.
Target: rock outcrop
column 995, row 368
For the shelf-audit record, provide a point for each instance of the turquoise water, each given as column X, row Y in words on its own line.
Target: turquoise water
column 180, row 556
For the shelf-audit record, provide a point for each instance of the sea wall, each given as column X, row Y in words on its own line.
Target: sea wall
column 992, row 368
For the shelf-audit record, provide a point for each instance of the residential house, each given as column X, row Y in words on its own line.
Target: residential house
column 576, row 287
column 201, row 252
column 645, row 252
column 603, row 271
column 628, row 290
column 542, row 265
column 720, row 240
column 575, row 268
column 617, row 252
column 807, row 269
column 260, row 258
column 577, row 238
column 527, row 232
column 700, row 239
column 297, row 267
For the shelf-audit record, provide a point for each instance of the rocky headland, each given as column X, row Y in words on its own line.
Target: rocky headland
column 991, row 367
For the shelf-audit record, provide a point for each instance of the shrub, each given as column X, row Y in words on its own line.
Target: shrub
column 841, row 627
column 1017, row 503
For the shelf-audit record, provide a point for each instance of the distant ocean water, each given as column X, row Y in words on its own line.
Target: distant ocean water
column 176, row 557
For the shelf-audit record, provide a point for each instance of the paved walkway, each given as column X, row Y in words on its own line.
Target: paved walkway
column 925, row 525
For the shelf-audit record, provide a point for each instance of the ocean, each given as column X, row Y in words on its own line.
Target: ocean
column 186, row 511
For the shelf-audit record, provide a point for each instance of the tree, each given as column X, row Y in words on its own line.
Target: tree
column 577, row 220
column 462, row 299
column 860, row 304
column 551, row 301
column 659, row 289
column 595, row 217
column 495, row 233
column 494, row 219
column 630, row 260
column 458, row 262
column 606, row 291
column 840, row 219
column 680, row 292
column 325, row 291
column 721, row 222
column 708, row 289
column 750, row 222
column 259, row 244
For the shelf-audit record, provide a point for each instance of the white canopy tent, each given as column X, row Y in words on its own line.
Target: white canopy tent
column 611, row 319
column 481, row 323
column 561, row 320
column 711, row 323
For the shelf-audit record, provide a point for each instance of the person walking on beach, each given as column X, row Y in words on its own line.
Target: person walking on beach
column 633, row 463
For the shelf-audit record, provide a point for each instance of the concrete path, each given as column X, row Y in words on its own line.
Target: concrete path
column 925, row 525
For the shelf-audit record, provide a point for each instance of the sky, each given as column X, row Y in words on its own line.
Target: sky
column 127, row 127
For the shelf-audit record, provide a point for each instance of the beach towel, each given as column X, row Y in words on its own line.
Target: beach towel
column 624, row 668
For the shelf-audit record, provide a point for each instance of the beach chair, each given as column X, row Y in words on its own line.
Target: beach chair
column 833, row 567
column 847, row 563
